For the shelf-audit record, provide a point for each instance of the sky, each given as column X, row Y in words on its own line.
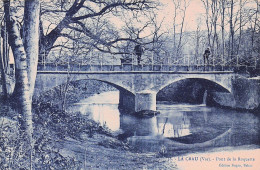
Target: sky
column 193, row 12
column 166, row 13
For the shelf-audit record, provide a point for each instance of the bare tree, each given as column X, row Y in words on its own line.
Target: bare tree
column 214, row 19
column 176, row 7
column 254, row 25
column 185, row 6
column 209, row 26
column 222, row 11
column 198, row 40
column 76, row 16
column 21, row 52
column 180, row 8
column 233, row 19
column 141, row 27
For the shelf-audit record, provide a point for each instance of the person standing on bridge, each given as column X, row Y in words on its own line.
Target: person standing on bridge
column 206, row 56
column 138, row 51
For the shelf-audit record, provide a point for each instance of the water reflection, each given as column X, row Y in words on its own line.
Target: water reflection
column 102, row 108
column 106, row 115
column 173, row 126
column 181, row 122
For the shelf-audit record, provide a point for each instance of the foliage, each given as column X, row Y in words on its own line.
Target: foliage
column 51, row 125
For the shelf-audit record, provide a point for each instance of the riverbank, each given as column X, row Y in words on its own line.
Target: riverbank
column 62, row 138
column 62, row 147
column 99, row 152
column 103, row 152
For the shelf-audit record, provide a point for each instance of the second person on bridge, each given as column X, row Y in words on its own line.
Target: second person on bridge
column 138, row 51
column 206, row 56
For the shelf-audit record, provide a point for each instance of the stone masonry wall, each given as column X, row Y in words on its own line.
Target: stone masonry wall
column 245, row 94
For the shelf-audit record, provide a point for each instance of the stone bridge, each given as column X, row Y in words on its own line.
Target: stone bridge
column 138, row 89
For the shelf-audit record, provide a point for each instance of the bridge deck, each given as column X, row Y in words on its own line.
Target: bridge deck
column 135, row 72
column 141, row 68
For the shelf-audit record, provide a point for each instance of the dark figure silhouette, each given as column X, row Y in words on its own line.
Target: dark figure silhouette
column 206, row 56
column 138, row 51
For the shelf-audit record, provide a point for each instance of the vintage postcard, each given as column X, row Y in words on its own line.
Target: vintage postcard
column 130, row 84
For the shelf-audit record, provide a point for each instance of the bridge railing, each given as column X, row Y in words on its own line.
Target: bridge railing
column 152, row 62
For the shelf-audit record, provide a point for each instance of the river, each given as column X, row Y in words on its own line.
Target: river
column 178, row 127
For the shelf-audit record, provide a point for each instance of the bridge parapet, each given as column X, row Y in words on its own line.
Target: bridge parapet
column 151, row 61
column 151, row 67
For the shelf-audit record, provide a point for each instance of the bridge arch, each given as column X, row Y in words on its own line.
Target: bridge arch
column 218, row 83
column 46, row 82
column 118, row 87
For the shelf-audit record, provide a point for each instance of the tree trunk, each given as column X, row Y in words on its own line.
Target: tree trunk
column 197, row 47
column 4, row 58
column 231, row 29
column 206, row 5
column 41, row 52
column 48, row 40
column 3, row 76
column 223, row 30
column 5, row 48
column 254, row 29
column 240, row 27
column 24, row 104
column 23, row 90
column 176, row 6
column 31, row 39
column 214, row 18
column 181, row 30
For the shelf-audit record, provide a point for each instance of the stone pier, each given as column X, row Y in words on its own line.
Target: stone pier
column 126, row 100
column 145, row 100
